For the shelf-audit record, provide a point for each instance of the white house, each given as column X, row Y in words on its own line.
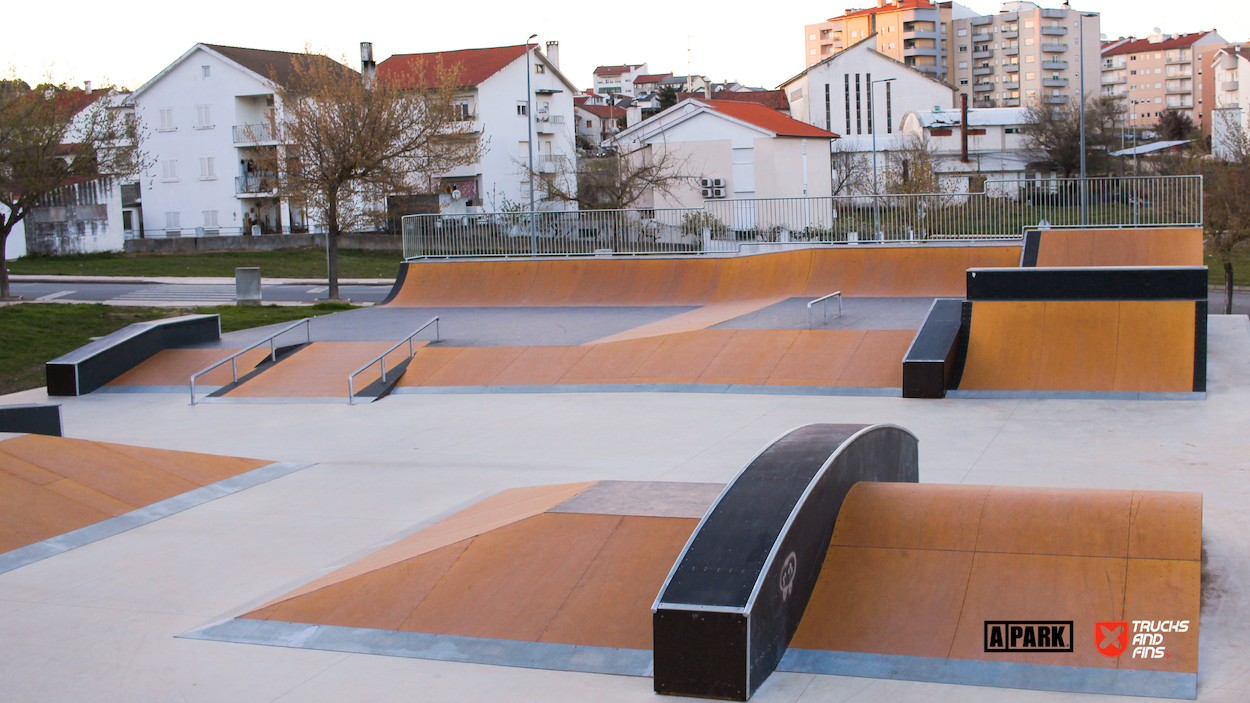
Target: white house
column 207, row 115
column 997, row 147
column 755, row 151
column 1230, row 121
column 618, row 80
column 837, row 93
column 494, row 99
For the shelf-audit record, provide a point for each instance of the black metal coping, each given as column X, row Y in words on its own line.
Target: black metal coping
column 1032, row 244
column 930, row 362
column 736, row 595
column 31, row 419
column 400, row 277
column 95, row 364
column 1089, row 283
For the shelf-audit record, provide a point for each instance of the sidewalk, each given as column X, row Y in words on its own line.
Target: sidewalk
column 195, row 281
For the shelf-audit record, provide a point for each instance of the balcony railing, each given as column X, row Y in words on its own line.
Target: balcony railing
column 1011, row 102
column 982, row 54
column 982, row 71
column 982, row 87
column 1054, row 48
column 981, row 38
column 1056, row 99
column 1114, row 80
column 1229, row 85
column 253, row 133
column 1011, row 68
column 255, row 184
column 1054, row 31
column 1011, row 51
column 1178, row 89
column 1010, row 35
column 1177, row 58
column 1054, row 82
column 1054, row 65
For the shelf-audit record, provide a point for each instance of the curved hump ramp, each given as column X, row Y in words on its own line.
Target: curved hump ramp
column 735, row 597
column 880, row 271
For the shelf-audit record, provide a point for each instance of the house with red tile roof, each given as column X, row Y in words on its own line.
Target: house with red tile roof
column 1162, row 72
column 752, row 150
column 618, row 80
column 495, row 103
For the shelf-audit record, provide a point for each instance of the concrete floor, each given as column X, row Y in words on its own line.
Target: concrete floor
column 99, row 623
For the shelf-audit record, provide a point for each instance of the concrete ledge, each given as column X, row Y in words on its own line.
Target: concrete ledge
column 1038, row 677
column 52, row 546
column 1076, row 395
column 656, row 388
column 419, row 645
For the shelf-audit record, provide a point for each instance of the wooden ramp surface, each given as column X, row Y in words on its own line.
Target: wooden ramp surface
column 1175, row 246
column 53, row 485
column 173, row 367
column 319, row 370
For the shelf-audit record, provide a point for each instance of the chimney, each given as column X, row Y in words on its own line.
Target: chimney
column 963, row 127
column 368, row 67
column 87, row 85
column 553, row 53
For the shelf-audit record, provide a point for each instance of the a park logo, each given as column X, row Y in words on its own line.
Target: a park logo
column 1028, row 636
column 788, row 570
column 1111, row 637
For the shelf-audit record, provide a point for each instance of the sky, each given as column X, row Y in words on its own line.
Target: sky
column 125, row 45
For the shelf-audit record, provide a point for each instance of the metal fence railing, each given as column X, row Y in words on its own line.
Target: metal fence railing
column 1001, row 210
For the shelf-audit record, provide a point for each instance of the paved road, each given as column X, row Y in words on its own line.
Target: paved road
column 183, row 294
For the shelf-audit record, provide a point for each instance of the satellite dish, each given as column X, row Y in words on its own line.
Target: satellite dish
column 455, row 194
column 1158, row 31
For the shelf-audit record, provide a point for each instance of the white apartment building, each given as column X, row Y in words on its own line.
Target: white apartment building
column 495, row 102
column 618, row 80
column 997, row 147
column 1159, row 73
column 1025, row 52
column 207, row 115
column 1232, row 100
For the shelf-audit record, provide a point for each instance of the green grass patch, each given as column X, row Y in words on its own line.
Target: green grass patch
column 285, row 263
column 1241, row 269
column 32, row 334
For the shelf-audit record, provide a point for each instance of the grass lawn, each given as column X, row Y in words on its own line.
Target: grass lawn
column 286, row 263
column 33, row 334
column 1241, row 269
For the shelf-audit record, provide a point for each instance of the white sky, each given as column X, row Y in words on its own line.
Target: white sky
column 130, row 42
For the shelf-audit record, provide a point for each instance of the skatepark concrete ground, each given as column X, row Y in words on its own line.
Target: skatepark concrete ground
column 101, row 622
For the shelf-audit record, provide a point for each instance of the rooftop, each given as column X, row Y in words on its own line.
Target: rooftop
column 475, row 65
column 767, row 118
column 616, row 70
column 279, row 66
column 1134, row 45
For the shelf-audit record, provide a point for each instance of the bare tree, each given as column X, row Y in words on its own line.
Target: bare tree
column 615, row 180
column 347, row 144
column 1226, row 209
column 1175, row 126
column 52, row 137
column 911, row 166
column 851, row 170
column 1053, row 133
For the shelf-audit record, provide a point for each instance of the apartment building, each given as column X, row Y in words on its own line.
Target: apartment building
column 912, row 32
column 1162, row 72
column 997, row 150
column 1230, row 112
column 497, row 107
column 618, row 80
column 1025, row 52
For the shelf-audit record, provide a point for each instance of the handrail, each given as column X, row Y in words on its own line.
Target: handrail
column 824, row 299
column 351, row 387
column 273, row 352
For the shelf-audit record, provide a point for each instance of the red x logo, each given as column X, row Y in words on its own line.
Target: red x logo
column 1111, row 638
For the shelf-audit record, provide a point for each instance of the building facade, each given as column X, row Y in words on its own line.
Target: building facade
column 618, row 80
column 997, row 149
column 1024, row 53
column 912, row 32
column 1162, row 72
column 1230, row 118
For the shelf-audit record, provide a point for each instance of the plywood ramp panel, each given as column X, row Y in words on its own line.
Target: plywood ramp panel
column 1004, row 346
column 1155, row 346
column 1165, row 586
column 612, row 362
column 698, row 319
column 427, row 362
column 173, row 367
column 1058, row 521
column 1079, row 341
column 681, row 358
column 920, row 516
column 611, row 604
column 835, row 269
column 1166, row 525
column 474, row 366
column 816, row 358
column 878, row 361
column 1174, row 246
column 749, row 357
column 540, row 366
column 319, row 370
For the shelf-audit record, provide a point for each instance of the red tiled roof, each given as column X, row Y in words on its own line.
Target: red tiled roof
column 651, row 78
column 616, row 70
column 899, row 5
column 279, row 66
column 775, row 99
column 1140, row 45
column 603, row 110
column 475, row 65
column 768, row 119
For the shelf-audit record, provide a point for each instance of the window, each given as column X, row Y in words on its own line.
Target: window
column 169, row 170
column 205, row 71
column 1133, row 72
column 1028, row 24
column 207, row 172
column 539, row 68
column 521, row 109
column 1030, row 59
column 889, row 111
column 210, row 218
column 203, row 117
column 811, row 52
column 859, row 122
column 828, row 112
column 523, row 149
column 963, row 49
column 963, row 81
column 1028, row 41
column 171, row 221
column 846, row 77
column 167, row 120
column 961, row 33
column 1029, row 76
column 963, row 64
column 811, row 37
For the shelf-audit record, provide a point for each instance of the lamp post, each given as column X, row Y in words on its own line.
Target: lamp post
column 1081, row 78
column 872, row 114
column 529, row 123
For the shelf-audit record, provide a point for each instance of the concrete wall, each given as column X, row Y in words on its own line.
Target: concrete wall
column 80, row 219
column 268, row 242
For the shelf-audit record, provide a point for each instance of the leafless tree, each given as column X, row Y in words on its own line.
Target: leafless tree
column 1053, row 133
column 348, row 144
column 1226, row 207
column 52, row 137
column 614, row 180
column 911, row 166
column 852, row 171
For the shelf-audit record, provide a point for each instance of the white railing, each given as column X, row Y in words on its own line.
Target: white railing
column 252, row 133
column 999, row 211
column 273, row 352
column 381, row 358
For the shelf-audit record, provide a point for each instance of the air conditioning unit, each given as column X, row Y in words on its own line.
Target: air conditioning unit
column 718, row 183
column 705, row 182
column 707, row 192
column 718, row 192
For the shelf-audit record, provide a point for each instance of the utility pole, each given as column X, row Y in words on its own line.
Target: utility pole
column 872, row 115
column 1081, row 76
column 529, row 123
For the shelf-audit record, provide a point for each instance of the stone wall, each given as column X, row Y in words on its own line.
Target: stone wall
column 265, row 242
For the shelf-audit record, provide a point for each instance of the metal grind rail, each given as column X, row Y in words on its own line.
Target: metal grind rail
column 273, row 352
column 824, row 299
column 381, row 358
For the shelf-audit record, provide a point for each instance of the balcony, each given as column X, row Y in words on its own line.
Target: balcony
column 1054, row 65
column 1054, row 31
column 982, row 87
column 1182, row 89
column 981, row 21
column 1184, row 71
column 549, row 125
column 1011, row 51
column 255, row 184
column 1054, row 14
column 1177, row 59
column 981, row 38
column 920, row 51
column 988, row 70
column 982, row 54
column 1114, row 80
column 920, row 34
column 1056, row 99
column 550, row 163
column 1054, row 48
column 251, row 134
column 1011, row 102
column 1229, row 85
column 1012, row 68
column 1054, row 82
column 1009, row 35
column 1011, row 85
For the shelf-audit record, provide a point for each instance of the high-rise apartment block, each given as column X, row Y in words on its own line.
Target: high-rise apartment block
column 913, row 32
column 1024, row 52
column 1162, row 72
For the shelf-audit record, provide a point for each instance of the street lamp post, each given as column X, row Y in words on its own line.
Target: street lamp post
column 529, row 123
column 872, row 114
column 1081, row 78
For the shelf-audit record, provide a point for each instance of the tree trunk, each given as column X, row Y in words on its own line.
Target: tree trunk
column 332, row 245
column 1228, row 288
column 4, row 265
